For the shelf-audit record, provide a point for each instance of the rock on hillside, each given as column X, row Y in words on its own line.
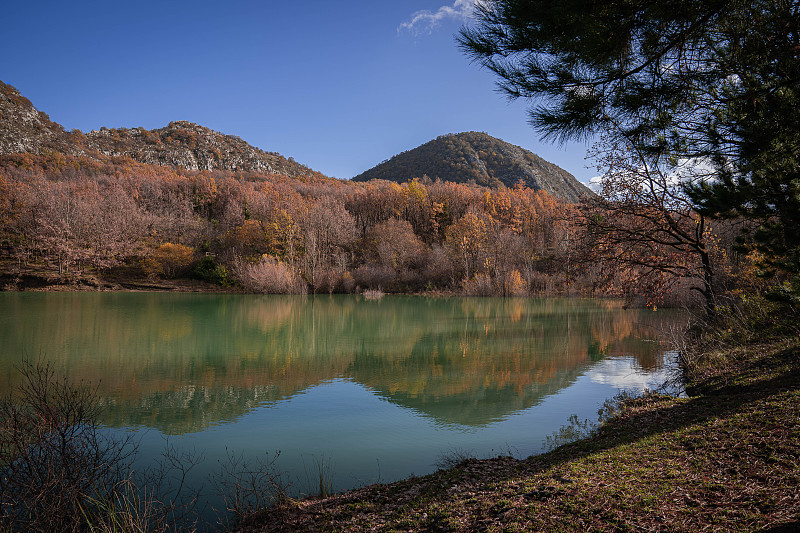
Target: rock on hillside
column 475, row 156
column 180, row 144
column 25, row 129
column 194, row 147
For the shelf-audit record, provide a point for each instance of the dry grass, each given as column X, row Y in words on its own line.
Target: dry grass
column 373, row 294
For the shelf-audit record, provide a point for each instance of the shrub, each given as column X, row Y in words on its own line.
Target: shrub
column 373, row 294
column 438, row 269
column 329, row 280
column 374, row 276
column 269, row 276
column 60, row 472
column 170, row 260
column 348, row 283
column 513, row 284
column 478, row 285
column 542, row 283
column 57, row 466
column 209, row 271
column 248, row 486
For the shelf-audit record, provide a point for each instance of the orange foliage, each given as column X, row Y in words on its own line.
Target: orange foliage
column 169, row 259
column 428, row 234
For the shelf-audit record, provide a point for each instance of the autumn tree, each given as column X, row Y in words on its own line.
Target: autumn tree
column 643, row 229
column 247, row 240
column 416, row 208
column 328, row 235
column 395, row 251
column 373, row 203
column 397, row 245
column 117, row 225
column 466, row 241
column 84, row 222
column 229, row 207
column 75, row 212
column 451, row 201
column 170, row 260
column 16, row 219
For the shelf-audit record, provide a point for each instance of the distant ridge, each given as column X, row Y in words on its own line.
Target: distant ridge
column 191, row 146
column 479, row 157
column 24, row 129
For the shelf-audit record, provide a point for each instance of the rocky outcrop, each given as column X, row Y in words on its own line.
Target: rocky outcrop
column 194, row 147
column 24, row 129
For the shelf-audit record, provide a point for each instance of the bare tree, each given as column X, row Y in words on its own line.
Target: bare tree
column 329, row 230
column 643, row 226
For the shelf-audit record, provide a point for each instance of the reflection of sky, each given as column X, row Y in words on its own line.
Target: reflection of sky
column 625, row 373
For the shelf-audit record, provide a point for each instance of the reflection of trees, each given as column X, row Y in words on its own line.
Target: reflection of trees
column 505, row 355
column 181, row 362
column 471, row 390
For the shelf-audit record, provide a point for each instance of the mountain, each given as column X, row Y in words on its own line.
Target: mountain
column 463, row 157
column 23, row 128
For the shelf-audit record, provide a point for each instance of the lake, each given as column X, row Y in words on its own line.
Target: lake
column 378, row 390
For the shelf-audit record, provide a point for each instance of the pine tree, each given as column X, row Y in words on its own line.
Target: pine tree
column 715, row 81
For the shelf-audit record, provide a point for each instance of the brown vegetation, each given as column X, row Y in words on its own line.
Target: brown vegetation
column 187, row 202
column 269, row 276
column 60, row 471
column 81, row 215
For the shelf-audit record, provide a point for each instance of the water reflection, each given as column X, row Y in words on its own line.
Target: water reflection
column 185, row 362
column 623, row 374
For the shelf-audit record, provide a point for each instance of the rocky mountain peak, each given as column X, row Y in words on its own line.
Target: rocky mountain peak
column 179, row 144
column 23, row 128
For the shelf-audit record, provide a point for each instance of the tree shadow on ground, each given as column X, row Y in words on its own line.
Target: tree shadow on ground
column 721, row 398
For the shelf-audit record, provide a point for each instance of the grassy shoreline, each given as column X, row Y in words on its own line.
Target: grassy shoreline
column 725, row 459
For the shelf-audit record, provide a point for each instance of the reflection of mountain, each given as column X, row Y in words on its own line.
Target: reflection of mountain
column 182, row 362
column 476, row 375
column 189, row 408
column 483, row 405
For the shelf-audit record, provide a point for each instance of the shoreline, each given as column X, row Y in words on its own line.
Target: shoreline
column 34, row 280
column 725, row 459
column 46, row 280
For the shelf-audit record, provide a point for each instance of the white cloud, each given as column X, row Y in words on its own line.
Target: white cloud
column 596, row 184
column 426, row 21
column 684, row 171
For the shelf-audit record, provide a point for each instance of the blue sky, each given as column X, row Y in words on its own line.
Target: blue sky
column 339, row 86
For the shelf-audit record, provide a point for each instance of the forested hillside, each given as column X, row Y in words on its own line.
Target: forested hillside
column 186, row 202
column 137, row 208
column 270, row 233
column 479, row 158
